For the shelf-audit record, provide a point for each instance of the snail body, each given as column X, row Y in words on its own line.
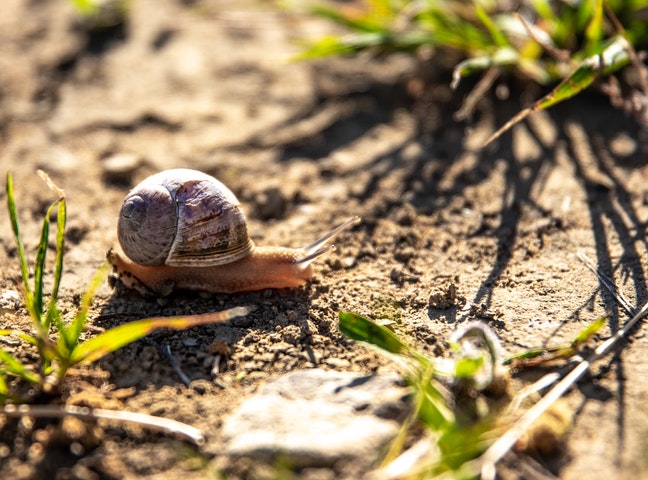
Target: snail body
column 182, row 229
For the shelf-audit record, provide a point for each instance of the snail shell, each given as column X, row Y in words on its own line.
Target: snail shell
column 182, row 229
column 182, row 217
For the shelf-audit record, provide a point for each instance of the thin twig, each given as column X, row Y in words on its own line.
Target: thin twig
column 608, row 283
column 634, row 56
column 503, row 444
column 484, row 84
column 563, row 56
column 544, row 382
column 187, row 432
column 165, row 351
column 176, row 365
column 50, row 183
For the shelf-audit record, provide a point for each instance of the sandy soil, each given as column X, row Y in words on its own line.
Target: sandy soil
column 205, row 84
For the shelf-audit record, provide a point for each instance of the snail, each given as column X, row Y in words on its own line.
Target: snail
column 182, row 229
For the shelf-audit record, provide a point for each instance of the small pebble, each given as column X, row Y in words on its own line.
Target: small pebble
column 349, row 262
column 271, row 203
column 120, row 168
column 10, row 301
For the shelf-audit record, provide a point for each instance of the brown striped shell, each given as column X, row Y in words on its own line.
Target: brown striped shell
column 182, row 217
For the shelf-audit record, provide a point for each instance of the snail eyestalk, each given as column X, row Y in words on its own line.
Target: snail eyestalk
column 319, row 247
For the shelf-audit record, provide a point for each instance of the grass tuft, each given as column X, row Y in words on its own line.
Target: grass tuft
column 571, row 44
column 465, row 405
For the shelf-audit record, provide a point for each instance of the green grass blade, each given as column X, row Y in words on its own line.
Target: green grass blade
column 39, row 267
column 496, row 34
column 346, row 45
column 58, row 263
column 588, row 332
column 23, row 336
column 538, row 356
column 433, row 407
column 578, row 81
column 529, row 354
column 460, row 444
column 13, row 214
column 468, row 67
column 467, row 367
column 15, row 367
column 363, row 23
column 117, row 337
column 86, row 7
column 4, row 389
column 594, row 30
column 42, row 250
column 362, row 329
column 72, row 333
column 62, row 349
column 544, row 8
column 54, row 316
column 610, row 58
column 502, row 57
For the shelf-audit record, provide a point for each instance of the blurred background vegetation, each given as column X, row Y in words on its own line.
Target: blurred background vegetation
column 571, row 45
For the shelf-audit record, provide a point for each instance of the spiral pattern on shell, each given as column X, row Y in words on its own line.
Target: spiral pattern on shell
column 183, row 217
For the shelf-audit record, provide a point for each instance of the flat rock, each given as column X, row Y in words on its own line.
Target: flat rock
column 315, row 418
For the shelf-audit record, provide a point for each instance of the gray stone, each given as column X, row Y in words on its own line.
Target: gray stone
column 317, row 418
column 121, row 167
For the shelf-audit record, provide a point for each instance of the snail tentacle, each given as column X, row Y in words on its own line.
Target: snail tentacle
column 319, row 247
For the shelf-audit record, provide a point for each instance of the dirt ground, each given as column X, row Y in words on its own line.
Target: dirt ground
column 206, row 84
